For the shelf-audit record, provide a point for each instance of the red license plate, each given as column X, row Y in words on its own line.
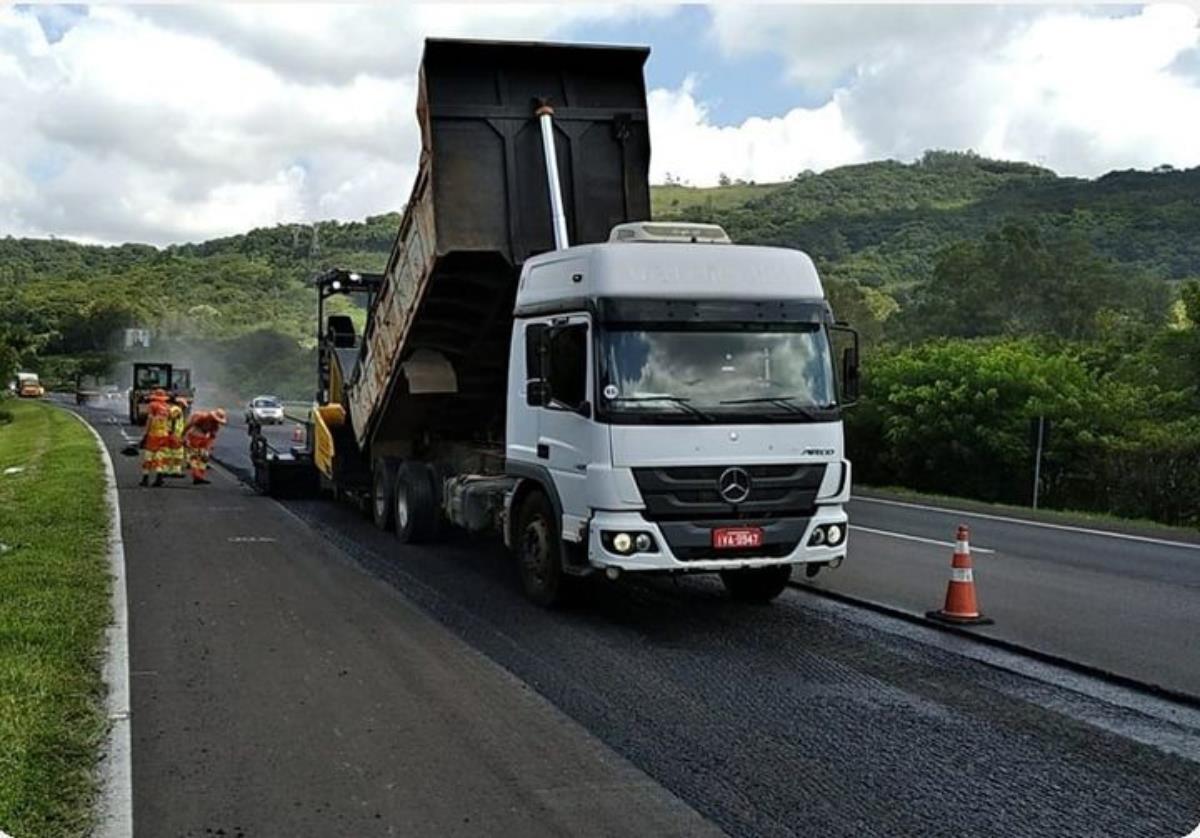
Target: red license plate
column 737, row 538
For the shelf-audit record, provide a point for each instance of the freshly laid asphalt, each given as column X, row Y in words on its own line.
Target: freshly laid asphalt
column 305, row 672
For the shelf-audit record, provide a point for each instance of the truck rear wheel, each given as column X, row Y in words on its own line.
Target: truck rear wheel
column 760, row 584
column 415, row 504
column 539, row 555
column 383, row 504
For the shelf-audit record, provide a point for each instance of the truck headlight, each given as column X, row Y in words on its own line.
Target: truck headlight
column 627, row 543
column 829, row 535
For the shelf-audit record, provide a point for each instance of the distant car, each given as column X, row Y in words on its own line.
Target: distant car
column 85, row 393
column 264, row 410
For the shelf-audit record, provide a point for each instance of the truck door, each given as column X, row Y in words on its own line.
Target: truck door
column 562, row 350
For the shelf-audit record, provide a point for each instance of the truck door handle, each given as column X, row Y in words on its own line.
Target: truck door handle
column 543, row 451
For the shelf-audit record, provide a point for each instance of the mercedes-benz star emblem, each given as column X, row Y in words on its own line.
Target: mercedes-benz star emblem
column 734, row 485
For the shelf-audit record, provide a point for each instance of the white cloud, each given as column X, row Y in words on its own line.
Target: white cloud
column 823, row 44
column 181, row 123
column 688, row 146
column 1082, row 91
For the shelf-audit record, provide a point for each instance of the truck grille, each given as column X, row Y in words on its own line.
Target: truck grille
column 692, row 493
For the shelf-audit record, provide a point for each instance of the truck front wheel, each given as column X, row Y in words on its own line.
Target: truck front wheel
column 760, row 584
column 415, row 505
column 538, row 553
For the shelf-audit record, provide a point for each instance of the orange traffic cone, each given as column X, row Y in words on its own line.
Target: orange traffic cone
column 961, row 607
column 298, row 434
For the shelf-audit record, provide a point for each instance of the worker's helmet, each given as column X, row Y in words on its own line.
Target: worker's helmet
column 176, row 411
column 159, row 395
column 181, row 401
column 219, row 415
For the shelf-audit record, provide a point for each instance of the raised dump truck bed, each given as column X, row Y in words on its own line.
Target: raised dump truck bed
column 440, row 325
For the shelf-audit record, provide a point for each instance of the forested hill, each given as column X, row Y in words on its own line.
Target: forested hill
column 882, row 223
column 876, row 230
column 879, row 224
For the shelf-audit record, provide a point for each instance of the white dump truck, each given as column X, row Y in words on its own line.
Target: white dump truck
column 650, row 399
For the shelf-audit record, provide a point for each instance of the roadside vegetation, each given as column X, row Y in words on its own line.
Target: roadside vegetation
column 988, row 293
column 55, row 584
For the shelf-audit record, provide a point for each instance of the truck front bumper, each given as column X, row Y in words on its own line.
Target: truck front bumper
column 663, row 559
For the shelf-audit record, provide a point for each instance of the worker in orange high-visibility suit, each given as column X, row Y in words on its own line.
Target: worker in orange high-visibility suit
column 173, row 455
column 156, row 439
column 200, row 435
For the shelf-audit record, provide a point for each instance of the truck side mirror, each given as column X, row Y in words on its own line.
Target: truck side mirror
column 850, row 375
column 537, row 392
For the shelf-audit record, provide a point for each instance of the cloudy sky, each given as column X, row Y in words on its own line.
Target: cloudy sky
column 184, row 122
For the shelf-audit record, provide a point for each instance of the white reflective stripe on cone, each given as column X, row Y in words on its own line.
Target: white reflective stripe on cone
column 961, row 574
column 962, row 547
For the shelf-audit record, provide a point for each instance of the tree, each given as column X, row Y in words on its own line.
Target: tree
column 1016, row 281
column 953, row 415
column 1189, row 294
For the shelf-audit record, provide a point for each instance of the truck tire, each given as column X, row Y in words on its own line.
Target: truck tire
column 415, row 505
column 539, row 553
column 760, row 584
column 383, row 504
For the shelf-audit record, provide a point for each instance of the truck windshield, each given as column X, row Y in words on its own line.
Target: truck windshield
column 730, row 375
column 148, row 377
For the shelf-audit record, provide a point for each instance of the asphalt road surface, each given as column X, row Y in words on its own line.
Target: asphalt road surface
column 1125, row 601
column 279, row 690
column 801, row 718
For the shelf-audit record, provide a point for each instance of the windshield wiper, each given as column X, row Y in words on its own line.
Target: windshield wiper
column 785, row 402
column 683, row 403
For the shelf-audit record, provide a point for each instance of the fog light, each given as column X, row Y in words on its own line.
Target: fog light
column 622, row 542
column 833, row 534
column 818, row 536
column 643, row 542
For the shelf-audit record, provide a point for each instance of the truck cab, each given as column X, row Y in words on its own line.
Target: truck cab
column 676, row 396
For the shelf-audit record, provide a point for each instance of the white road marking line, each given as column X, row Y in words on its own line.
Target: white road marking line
column 250, row 539
column 908, row 537
column 1126, row 536
column 114, row 813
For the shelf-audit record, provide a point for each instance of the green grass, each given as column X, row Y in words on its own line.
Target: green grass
column 676, row 201
column 1067, row 517
column 54, row 588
